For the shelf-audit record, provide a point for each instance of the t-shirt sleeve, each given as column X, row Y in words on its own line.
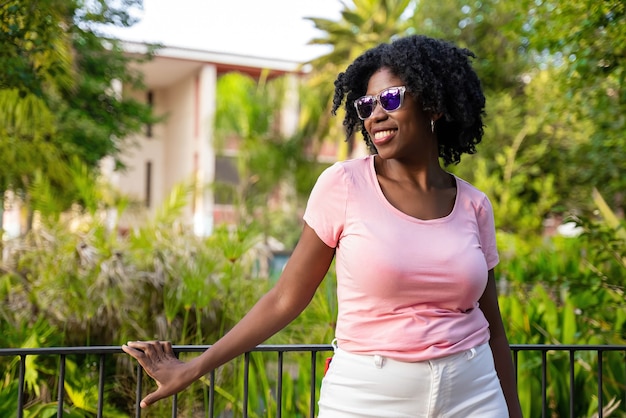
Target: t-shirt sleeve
column 325, row 211
column 487, row 231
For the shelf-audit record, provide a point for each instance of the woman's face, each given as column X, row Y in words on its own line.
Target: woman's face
column 402, row 133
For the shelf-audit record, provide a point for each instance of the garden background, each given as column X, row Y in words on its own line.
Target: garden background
column 552, row 161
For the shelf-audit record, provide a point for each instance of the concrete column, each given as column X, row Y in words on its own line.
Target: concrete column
column 290, row 111
column 205, row 151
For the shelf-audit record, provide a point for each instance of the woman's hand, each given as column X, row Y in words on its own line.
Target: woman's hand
column 158, row 360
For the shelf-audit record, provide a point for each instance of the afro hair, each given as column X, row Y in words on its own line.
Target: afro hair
column 437, row 72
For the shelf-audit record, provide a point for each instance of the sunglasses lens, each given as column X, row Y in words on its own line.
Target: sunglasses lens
column 391, row 99
column 365, row 106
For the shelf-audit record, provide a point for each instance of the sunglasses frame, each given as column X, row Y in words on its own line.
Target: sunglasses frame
column 376, row 100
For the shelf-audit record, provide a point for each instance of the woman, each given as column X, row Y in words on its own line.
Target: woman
column 419, row 331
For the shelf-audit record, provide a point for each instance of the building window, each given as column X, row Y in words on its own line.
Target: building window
column 148, row 197
column 150, row 100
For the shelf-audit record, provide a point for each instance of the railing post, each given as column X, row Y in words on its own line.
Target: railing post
column 20, row 390
column 600, row 397
column 101, row 386
column 212, row 394
column 246, row 382
column 138, row 392
column 61, row 389
column 544, row 384
column 175, row 399
column 279, row 389
column 313, row 373
column 572, row 361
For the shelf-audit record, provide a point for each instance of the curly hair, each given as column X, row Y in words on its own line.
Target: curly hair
column 435, row 71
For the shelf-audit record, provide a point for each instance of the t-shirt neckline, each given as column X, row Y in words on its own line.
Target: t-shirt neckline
column 392, row 208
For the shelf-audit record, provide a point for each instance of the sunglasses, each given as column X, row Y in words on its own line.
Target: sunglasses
column 390, row 100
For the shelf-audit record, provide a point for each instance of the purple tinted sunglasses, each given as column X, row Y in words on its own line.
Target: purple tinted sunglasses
column 390, row 100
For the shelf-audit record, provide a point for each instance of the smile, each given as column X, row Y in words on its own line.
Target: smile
column 382, row 134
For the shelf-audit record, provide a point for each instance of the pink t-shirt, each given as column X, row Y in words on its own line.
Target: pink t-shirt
column 407, row 288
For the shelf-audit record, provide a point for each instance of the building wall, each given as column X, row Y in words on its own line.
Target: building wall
column 179, row 149
column 136, row 179
column 178, row 141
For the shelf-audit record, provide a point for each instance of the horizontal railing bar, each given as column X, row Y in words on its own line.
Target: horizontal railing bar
column 178, row 348
column 276, row 348
column 566, row 347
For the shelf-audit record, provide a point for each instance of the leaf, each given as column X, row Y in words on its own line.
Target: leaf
column 608, row 214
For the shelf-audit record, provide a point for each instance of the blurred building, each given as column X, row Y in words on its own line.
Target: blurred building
column 180, row 84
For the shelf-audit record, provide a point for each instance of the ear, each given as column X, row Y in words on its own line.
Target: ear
column 435, row 116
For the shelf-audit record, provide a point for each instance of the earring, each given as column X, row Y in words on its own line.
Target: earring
column 432, row 126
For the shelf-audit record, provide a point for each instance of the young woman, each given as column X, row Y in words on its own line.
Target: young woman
column 419, row 331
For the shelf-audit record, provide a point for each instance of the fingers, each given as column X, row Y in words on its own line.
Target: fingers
column 145, row 345
column 153, row 357
column 149, row 348
column 149, row 352
column 129, row 348
column 167, row 348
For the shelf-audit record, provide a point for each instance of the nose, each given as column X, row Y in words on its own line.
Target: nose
column 378, row 112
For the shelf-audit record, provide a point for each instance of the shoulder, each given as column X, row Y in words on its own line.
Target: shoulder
column 472, row 194
column 468, row 188
column 360, row 164
column 348, row 170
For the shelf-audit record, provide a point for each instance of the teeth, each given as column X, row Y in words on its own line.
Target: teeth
column 382, row 134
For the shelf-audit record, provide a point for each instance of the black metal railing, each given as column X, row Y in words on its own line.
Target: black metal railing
column 106, row 351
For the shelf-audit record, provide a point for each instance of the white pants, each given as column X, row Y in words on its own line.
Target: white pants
column 459, row 386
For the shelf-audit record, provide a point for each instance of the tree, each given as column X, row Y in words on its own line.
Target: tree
column 492, row 29
column 586, row 39
column 57, row 96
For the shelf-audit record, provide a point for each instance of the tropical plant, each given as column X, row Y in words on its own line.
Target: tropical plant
column 587, row 39
column 544, row 315
column 568, row 290
column 268, row 161
column 84, row 278
column 57, row 92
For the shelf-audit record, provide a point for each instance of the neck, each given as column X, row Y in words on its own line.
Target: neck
column 426, row 174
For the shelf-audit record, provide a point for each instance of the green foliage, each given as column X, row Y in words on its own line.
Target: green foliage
column 604, row 244
column 567, row 291
column 587, row 39
column 542, row 316
column 555, row 122
column 492, row 29
column 87, row 286
column 267, row 162
column 35, row 48
column 363, row 24
column 57, row 92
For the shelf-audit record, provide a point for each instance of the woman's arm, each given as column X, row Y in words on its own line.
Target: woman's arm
column 301, row 277
column 500, row 346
